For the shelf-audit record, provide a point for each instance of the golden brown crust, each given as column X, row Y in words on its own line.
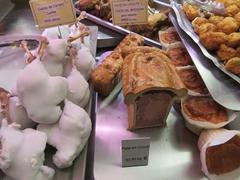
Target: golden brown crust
column 4, row 102
column 193, row 81
column 232, row 10
column 215, row 19
column 148, row 71
column 225, row 53
column 169, row 37
column 228, row 25
column 179, row 56
column 198, row 21
column 212, row 40
column 107, row 75
column 224, row 158
column 205, row 109
column 234, row 39
column 191, row 11
column 207, row 27
column 233, row 65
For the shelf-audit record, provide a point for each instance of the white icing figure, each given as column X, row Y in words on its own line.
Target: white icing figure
column 69, row 135
column 85, row 62
column 22, row 153
column 78, row 89
column 54, row 56
column 40, row 93
column 18, row 114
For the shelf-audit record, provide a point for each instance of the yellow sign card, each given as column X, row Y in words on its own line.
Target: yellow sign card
column 129, row 12
column 48, row 13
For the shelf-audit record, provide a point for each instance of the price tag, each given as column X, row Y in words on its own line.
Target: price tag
column 135, row 152
column 48, row 13
column 129, row 12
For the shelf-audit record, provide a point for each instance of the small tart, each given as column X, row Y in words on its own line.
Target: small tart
column 179, row 56
column 202, row 112
column 193, row 81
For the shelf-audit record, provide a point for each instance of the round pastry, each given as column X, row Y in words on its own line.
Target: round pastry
column 202, row 112
column 220, row 154
column 169, row 38
column 232, row 10
column 215, row 19
column 234, row 39
column 233, row 65
column 207, row 27
column 191, row 11
column 228, row 25
column 193, row 81
column 198, row 21
column 212, row 40
column 225, row 53
column 179, row 56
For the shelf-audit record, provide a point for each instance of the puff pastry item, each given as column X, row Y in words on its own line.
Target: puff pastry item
column 150, row 85
column 106, row 75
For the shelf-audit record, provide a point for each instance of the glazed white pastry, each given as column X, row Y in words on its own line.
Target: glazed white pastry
column 78, row 89
column 40, row 93
column 69, row 135
column 18, row 114
column 54, row 57
column 85, row 62
column 22, row 153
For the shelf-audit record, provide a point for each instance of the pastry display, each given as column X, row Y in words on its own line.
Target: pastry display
column 219, row 153
column 202, row 112
column 69, row 135
column 149, row 80
column 107, row 74
column 193, row 81
column 22, row 153
column 218, row 33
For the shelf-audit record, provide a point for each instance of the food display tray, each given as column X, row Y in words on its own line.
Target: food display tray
column 157, row 5
column 223, row 89
column 186, row 25
column 11, row 63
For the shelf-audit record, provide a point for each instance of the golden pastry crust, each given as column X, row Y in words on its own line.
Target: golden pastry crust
column 215, row 19
column 234, row 39
column 198, row 21
column 193, row 81
column 207, row 27
column 228, row 25
column 107, row 75
column 233, row 65
column 232, row 10
column 179, row 56
column 191, row 11
column 212, row 40
column 169, row 37
column 204, row 109
column 237, row 17
column 225, row 53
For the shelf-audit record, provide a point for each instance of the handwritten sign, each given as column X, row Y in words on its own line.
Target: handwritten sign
column 135, row 152
column 129, row 12
column 48, row 13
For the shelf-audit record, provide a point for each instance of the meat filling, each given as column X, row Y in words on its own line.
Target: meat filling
column 224, row 158
column 152, row 108
column 170, row 37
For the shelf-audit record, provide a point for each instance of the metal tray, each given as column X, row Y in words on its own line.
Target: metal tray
column 11, row 62
column 158, row 5
column 223, row 89
column 186, row 25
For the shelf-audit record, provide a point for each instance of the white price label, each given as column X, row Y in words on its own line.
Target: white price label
column 129, row 12
column 135, row 152
column 48, row 13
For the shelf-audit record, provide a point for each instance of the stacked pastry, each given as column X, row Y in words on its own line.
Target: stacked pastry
column 55, row 103
column 107, row 74
column 219, row 34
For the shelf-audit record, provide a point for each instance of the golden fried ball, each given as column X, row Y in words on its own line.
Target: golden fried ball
column 234, row 39
column 212, row 40
column 232, row 10
column 225, row 53
column 191, row 11
column 207, row 27
column 228, row 25
column 237, row 17
column 198, row 21
column 215, row 19
column 233, row 65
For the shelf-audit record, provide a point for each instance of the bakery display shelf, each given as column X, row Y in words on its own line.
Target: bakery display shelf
column 11, row 63
column 157, row 4
column 223, row 89
column 173, row 150
column 186, row 26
